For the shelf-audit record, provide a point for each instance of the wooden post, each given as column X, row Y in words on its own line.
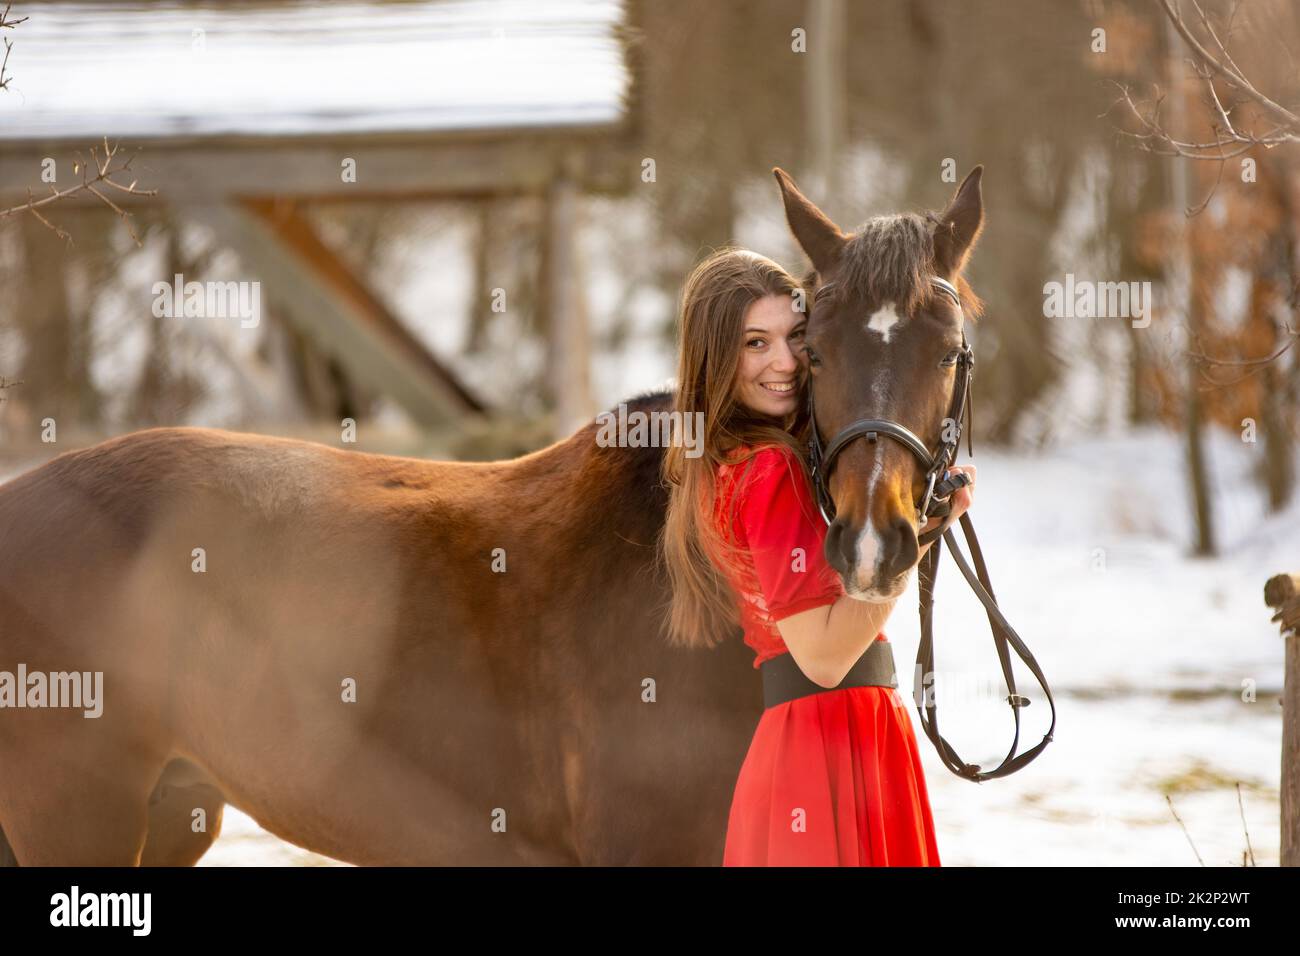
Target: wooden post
column 568, row 346
column 825, row 101
column 1282, row 593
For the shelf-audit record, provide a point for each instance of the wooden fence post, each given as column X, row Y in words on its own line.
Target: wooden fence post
column 568, row 346
column 1282, row 592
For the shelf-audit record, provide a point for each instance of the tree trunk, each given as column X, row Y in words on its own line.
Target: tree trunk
column 1185, row 270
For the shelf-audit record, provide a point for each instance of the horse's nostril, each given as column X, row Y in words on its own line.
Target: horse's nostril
column 904, row 548
column 839, row 557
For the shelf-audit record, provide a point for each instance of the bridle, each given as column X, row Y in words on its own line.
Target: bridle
column 935, row 502
column 870, row 428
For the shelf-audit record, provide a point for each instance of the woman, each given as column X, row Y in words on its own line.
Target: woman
column 832, row 778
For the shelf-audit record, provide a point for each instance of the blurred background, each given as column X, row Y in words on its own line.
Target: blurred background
column 469, row 222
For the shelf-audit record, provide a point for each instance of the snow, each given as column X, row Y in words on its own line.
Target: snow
column 85, row 70
column 1151, row 655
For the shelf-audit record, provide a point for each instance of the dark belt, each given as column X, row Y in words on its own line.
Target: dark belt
column 783, row 681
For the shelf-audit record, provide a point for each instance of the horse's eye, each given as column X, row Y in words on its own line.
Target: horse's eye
column 950, row 359
column 813, row 358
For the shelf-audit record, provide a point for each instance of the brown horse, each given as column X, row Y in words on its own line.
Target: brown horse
column 511, row 706
column 389, row 660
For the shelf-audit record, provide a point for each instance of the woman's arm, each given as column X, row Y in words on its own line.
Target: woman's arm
column 827, row 641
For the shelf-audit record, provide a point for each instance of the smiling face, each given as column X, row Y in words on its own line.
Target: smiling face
column 773, row 367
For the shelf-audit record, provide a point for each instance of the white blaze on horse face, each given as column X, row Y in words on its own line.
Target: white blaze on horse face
column 869, row 546
column 883, row 320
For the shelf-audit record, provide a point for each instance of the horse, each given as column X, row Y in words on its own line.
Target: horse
column 384, row 660
column 394, row 661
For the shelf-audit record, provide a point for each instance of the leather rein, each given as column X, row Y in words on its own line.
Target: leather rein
column 936, row 503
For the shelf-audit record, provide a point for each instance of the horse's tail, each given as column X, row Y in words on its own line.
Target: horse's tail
column 7, row 857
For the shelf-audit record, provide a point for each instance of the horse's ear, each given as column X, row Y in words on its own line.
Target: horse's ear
column 960, row 225
column 820, row 238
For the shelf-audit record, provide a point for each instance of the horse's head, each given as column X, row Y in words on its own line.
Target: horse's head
column 883, row 340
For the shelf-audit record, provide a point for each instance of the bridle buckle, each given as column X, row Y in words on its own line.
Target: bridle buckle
column 924, row 509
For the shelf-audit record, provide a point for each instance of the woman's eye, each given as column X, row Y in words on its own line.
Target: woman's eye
column 754, row 343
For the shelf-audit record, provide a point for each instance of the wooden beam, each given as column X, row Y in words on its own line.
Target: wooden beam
column 319, row 294
column 433, row 167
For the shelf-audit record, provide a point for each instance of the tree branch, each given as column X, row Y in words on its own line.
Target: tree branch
column 6, row 384
column 1280, row 114
column 105, row 168
column 7, row 24
column 1250, row 365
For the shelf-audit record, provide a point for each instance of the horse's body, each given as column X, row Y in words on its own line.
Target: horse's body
column 482, row 697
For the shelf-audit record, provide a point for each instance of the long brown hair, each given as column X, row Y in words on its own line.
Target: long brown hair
column 717, row 294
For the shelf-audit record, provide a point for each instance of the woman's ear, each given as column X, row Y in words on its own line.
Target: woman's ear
column 819, row 238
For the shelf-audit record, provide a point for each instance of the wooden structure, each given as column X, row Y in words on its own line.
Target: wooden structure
column 242, row 115
column 1282, row 593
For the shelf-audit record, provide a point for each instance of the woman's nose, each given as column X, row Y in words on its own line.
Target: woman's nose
column 784, row 360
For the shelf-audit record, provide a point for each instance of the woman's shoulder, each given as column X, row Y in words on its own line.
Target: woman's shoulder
column 764, row 463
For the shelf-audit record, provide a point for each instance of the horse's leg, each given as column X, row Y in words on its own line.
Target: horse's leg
column 88, row 812
column 173, row 839
column 75, row 791
column 7, row 857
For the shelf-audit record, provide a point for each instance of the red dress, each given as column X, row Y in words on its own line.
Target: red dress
column 834, row 778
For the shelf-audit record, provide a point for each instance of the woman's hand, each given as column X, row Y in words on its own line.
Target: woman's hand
column 960, row 501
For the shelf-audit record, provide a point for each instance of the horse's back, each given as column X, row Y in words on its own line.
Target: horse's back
column 74, row 530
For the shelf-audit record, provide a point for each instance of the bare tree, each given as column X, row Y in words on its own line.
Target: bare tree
column 7, row 24
column 97, row 178
column 1240, row 117
column 96, row 175
column 1267, row 124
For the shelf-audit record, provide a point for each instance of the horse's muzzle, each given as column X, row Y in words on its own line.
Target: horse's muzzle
column 873, row 562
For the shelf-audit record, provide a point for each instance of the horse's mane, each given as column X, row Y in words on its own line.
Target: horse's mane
column 653, row 399
column 892, row 256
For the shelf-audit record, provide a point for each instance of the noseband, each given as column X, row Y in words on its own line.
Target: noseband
column 936, row 502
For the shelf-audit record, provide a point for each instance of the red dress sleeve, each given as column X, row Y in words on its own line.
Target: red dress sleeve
column 784, row 532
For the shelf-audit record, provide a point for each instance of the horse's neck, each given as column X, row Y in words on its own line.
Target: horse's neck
column 598, row 493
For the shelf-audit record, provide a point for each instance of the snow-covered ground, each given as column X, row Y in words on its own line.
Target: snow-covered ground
column 1166, row 669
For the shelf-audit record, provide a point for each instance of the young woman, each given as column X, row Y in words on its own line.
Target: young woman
column 832, row 778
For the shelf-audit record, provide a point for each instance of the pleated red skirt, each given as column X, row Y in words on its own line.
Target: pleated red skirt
column 833, row 779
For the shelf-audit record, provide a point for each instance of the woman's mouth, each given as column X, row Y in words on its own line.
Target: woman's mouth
column 779, row 388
